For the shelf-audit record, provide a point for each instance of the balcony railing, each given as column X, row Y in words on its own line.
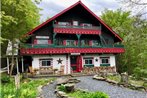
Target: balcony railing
column 80, row 27
column 63, row 46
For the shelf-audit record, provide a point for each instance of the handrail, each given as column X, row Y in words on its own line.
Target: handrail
column 81, row 27
column 62, row 46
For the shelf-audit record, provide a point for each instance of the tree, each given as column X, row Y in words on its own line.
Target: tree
column 139, row 7
column 133, row 30
column 18, row 17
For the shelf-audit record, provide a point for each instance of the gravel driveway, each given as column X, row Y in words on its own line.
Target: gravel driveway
column 48, row 91
column 113, row 91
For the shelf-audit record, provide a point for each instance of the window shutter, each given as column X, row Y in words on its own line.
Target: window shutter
column 35, row 41
column 49, row 41
column 90, row 42
column 64, row 42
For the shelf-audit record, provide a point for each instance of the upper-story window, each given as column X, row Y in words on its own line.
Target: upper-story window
column 95, row 43
column 85, row 42
column 63, row 23
column 42, row 39
column 70, row 42
column 86, row 25
column 75, row 23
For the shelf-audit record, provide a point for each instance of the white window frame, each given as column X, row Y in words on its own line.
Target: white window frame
column 42, row 43
column 75, row 23
column 88, row 58
column 51, row 61
column 101, row 58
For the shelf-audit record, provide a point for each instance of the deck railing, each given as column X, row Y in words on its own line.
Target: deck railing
column 80, row 27
column 62, row 46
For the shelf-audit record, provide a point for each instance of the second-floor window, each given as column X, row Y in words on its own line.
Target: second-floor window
column 84, row 42
column 42, row 41
column 70, row 42
column 95, row 43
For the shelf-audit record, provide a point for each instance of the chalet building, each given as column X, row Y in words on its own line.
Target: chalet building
column 72, row 40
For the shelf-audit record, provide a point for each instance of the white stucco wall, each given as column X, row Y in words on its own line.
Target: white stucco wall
column 66, row 61
column 97, row 56
column 35, row 62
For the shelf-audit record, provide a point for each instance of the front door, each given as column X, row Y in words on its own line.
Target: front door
column 75, row 62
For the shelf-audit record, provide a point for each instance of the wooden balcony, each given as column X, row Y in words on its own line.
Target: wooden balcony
column 76, row 46
column 70, row 29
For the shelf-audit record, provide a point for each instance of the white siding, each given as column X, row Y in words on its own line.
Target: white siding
column 96, row 56
column 35, row 62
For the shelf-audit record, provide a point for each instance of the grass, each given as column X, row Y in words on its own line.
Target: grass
column 131, row 80
column 114, row 78
column 28, row 88
column 81, row 94
column 136, row 82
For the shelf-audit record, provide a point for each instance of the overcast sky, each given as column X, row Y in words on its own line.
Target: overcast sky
column 52, row 7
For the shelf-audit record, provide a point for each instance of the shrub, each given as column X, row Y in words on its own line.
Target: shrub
column 138, row 73
column 62, row 88
column 5, row 79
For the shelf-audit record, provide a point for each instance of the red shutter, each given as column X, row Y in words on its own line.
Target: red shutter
column 64, row 42
column 76, row 42
column 90, row 42
column 49, row 41
column 35, row 41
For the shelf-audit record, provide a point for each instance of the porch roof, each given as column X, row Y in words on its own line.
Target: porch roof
column 30, row 51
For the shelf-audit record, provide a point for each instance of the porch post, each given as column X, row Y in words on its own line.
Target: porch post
column 17, row 65
column 22, row 64
column 8, row 64
column 78, row 35
column 54, row 38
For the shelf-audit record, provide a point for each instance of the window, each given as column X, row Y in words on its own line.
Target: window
column 88, row 61
column 75, row 23
column 63, row 23
column 104, row 60
column 95, row 43
column 46, row 62
column 86, row 25
column 42, row 41
column 59, row 42
column 85, row 42
column 70, row 43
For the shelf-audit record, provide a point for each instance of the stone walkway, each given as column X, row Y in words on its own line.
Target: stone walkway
column 94, row 85
column 113, row 91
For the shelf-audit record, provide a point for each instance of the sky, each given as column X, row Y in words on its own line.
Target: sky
column 53, row 7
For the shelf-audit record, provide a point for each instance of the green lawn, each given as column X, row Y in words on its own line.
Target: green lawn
column 28, row 88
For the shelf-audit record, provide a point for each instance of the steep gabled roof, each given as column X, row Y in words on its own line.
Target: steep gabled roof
column 69, row 8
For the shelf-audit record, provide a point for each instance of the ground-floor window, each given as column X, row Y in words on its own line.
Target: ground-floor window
column 46, row 62
column 88, row 62
column 105, row 61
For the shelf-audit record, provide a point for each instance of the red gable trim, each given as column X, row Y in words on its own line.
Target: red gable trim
column 79, row 2
column 54, row 17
